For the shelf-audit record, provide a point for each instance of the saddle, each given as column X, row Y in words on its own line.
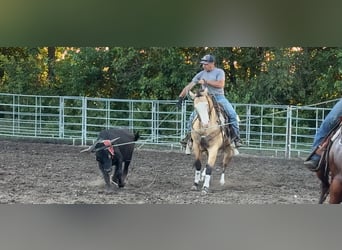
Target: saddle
column 324, row 148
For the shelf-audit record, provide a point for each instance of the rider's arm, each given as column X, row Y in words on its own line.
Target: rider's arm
column 214, row 83
column 186, row 89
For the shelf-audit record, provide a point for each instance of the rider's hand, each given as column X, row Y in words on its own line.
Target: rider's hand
column 202, row 81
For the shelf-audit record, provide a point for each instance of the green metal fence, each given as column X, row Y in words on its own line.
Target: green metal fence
column 277, row 130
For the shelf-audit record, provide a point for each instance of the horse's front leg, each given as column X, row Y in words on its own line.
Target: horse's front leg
column 197, row 164
column 203, row 171
column 212, row 154
column 325, row 185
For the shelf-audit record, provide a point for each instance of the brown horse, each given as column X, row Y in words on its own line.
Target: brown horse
column 331, row 175
column 209, row 136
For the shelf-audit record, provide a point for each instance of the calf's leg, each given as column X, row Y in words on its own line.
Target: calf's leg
column 117, row 176
column 125, row 171
column 106, row 178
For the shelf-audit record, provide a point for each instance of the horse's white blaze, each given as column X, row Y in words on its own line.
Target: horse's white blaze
column 202, row 110
column 197, row 176
column 222, row 181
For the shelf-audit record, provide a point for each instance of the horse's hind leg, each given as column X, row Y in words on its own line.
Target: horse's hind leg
column 336, row 190
column 228, row 154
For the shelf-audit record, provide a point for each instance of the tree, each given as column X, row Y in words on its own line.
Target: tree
column 51, row 61
column 294, row 75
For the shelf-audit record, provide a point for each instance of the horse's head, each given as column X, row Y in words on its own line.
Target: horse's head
column 202, row 105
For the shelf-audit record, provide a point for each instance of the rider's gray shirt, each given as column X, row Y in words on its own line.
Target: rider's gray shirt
column 216, row 74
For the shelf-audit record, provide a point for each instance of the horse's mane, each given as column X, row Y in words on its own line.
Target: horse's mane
column 199, row 92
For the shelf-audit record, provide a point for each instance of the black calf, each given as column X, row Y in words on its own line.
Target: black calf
column 114, row 147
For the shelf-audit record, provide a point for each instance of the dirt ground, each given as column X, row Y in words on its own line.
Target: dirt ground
column 46, row 173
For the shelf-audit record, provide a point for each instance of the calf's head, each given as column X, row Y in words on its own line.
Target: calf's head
column 104, row 152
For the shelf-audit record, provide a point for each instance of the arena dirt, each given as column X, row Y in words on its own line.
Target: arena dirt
column 45, row 173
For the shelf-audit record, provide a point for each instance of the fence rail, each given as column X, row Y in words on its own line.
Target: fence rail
column 274, row 129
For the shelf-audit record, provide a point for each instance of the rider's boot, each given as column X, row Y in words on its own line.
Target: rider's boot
column 185, row 140
column 313, row 162
column 238, row 142
column 235, row 138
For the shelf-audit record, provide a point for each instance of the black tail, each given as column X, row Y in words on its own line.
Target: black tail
column 136, row 136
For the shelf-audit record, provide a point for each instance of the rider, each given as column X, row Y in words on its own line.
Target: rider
column 214, row 79
column 332, row 119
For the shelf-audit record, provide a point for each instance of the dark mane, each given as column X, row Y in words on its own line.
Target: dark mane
column 199, row 92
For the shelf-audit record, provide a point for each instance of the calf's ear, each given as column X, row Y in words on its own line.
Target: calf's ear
column 192, row 95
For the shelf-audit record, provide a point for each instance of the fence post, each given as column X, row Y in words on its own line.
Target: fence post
column 288, row 132
column 248, row 123
column 131, row 115
column 183, row 119
column 61, row 117
column 153, row 122
column 107, row 114
column 13, row 115
column 84, row 121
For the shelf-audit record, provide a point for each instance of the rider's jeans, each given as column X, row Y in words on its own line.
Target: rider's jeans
column 329, row 123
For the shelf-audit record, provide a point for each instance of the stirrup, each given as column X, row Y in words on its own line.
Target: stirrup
column 238, row 142
column 185, row 140
column 312, row 165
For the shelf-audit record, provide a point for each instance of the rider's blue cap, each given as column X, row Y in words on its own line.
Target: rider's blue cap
column 207, row 59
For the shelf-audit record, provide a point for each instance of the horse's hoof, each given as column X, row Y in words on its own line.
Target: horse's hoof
column 117, row 182
column 194, row 187
column 205, row 190
column 109, row 190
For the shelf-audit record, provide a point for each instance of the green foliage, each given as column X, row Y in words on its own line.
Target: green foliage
column 290, row 76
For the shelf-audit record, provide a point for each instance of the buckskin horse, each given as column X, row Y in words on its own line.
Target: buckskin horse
column 330, row 173
column 208, row 136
